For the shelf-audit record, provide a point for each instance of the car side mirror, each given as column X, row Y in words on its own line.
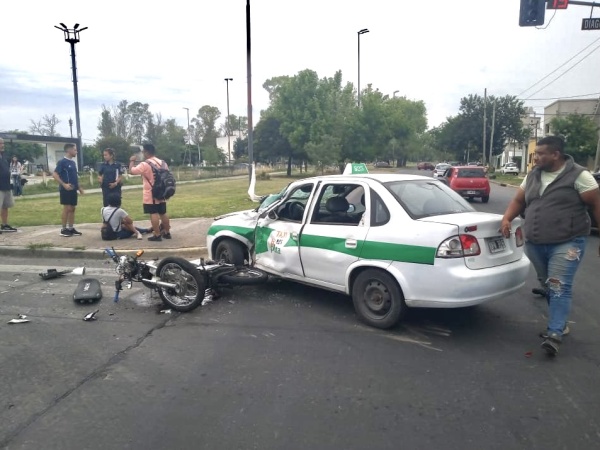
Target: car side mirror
column 273, row 215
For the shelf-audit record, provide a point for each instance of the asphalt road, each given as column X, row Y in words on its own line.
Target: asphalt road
column 282, row 366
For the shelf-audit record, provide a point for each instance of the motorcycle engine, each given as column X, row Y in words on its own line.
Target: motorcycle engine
column 127, row 266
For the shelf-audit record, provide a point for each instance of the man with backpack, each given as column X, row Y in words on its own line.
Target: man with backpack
column 154, row 171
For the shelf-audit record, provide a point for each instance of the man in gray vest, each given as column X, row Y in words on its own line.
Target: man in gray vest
column 554, row 198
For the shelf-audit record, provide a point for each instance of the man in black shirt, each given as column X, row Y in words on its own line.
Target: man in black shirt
column 110, row 176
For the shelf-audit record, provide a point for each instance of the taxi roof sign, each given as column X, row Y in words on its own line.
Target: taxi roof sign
column 355, row 169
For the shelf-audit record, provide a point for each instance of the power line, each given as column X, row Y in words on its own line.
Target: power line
column 564, row 97
column 565, row 72
column 563, row 64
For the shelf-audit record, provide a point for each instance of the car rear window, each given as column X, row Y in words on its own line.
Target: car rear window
column 422, row 198
column 471, row 173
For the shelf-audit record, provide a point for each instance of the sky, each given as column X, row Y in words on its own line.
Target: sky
column 175, row 55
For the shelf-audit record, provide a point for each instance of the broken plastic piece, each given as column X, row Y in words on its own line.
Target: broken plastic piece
column 165, row 311
column 21, row 318
column 91, row 316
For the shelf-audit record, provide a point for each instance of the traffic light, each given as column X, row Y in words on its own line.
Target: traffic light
column 532, row 13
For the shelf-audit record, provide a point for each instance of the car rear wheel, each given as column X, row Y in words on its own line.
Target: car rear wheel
column 377, row 298
column 485, row 199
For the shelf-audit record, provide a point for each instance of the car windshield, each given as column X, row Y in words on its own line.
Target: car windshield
column 423, row 198
column 443, row 166
column 268, row 200
column 470, row 173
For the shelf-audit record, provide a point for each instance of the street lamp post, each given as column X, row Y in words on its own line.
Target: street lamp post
column 363, row 31
column 71, row 126
column 72, row 37
column 394, row 94
column 187, row 147
column 227, row 80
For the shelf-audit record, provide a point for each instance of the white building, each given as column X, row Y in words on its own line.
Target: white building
column 225, row 144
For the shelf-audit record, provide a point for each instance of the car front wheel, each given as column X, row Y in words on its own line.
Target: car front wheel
column 377, row 298
column 230, row 251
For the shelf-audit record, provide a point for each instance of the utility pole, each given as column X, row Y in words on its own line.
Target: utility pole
column 363, row 31
column 187, row 147
column 249, row 83
column 484, row 122
column 227, row 125
column 72, row 37
column 492, row 132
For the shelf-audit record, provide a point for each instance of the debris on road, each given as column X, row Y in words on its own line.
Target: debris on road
column 21, row 318
column 91, row 316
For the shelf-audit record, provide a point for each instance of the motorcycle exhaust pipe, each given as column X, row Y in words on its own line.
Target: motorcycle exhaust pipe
column 161, row 284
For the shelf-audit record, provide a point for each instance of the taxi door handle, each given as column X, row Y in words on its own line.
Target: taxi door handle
column 295, row 236
column 350, row 243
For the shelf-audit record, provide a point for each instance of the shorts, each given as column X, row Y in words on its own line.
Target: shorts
column 68, row 197
column 155, row 208
column 6, row 199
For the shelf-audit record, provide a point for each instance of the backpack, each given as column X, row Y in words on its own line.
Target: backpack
column 107, row 232
column 163, row 187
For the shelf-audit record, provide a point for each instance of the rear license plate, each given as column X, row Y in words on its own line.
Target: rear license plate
column 471, row 192
column 496, row 245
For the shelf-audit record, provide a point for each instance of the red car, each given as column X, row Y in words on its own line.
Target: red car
column 425, row 166
column 468, row 181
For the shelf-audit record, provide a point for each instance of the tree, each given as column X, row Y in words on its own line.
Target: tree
column 23, row 151
column 46, row 126
column 269, row 143
column 205, row 124
column 465, row 130
column 580, row 133
column 171, row 145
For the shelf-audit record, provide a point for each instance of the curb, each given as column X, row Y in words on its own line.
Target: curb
column 196, row 252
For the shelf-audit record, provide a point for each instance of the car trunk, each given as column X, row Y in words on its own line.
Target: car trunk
column 470, row 182
column 495, row 249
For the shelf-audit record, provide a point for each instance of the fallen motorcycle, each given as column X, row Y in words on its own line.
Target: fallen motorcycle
column 181, row 284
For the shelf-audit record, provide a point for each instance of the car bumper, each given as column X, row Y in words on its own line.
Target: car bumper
column 456, row 286
column 472, row 192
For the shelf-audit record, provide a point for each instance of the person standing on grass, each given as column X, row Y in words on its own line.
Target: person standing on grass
column 110, row 176
column 16, row 168
column 161, row 227
column 66, row 176
column 6, row 195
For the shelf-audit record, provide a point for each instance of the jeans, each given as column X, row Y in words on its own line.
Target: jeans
column 555, row 265
column 17, row 187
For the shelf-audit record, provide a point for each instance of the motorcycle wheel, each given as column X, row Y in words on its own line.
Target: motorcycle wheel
column 244, row 276
column 190, row 284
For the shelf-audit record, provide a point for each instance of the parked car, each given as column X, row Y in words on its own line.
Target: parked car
column 469, row 182
column 509, row 168
column 425, row 166
column 379, row 238
column 381, row 164
column 440, row 169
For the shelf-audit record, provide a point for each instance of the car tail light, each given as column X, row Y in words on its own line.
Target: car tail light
column 459, row 247
column 519, row 237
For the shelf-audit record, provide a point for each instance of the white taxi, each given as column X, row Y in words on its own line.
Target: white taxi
column 389, row 241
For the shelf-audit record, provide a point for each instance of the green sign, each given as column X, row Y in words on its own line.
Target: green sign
column 356, row 169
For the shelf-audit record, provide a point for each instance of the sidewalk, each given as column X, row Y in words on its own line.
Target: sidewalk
column 189, row 241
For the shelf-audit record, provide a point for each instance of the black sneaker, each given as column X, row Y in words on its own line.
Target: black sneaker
column 544, row 334
column 7, row 228
column 66, row 232
column 74, row 232
column 155, row 238
column 552, row 343
column 166, row 235
column 540, row 291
